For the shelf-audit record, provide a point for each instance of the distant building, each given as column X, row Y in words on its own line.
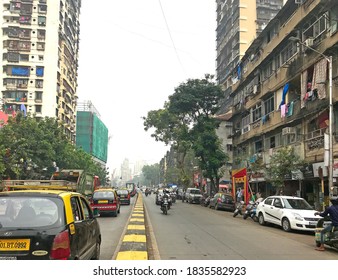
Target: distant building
column 91, row 132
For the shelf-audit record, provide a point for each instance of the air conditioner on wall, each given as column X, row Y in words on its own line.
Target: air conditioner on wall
column 298, row 1
column 308, row 42
column 288, row 130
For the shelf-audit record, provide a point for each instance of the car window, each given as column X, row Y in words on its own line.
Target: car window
column 195, row 191
column 30, row 211
column 277, row 202
column 122, row 192
column 268, row 201
column 76, row 208
column 104, row 195
column 86, row 209
column 227, row 198
column 300, row 204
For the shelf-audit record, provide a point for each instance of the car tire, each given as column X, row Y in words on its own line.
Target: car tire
column 286, row 225
column 96, row 255
column 261, row 220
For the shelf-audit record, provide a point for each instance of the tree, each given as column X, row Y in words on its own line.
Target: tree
column 282, row 163
column 29, row 147
column 151, row 173
column 186, row 123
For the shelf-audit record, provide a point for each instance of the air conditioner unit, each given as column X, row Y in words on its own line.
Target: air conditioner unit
column 254, row 89
column 246, row 129
column 288, row 130
column 299, row 2
column 308, row 42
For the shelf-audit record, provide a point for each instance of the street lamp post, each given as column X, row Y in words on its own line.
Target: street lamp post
column 329, row 60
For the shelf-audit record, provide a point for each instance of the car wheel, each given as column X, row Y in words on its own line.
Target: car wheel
column 286, row 224
column 96, row 255
column 261, row 219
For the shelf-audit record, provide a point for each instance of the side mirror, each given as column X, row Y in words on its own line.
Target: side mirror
column 96, row 212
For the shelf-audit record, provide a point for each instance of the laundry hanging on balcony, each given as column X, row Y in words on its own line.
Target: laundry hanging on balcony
column 285, row 91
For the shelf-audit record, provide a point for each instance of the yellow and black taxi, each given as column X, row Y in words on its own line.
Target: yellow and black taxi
column 124, row 195
column 106, row 201
column 46, row 225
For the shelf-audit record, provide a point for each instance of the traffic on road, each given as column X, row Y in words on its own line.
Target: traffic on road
column 43, row 221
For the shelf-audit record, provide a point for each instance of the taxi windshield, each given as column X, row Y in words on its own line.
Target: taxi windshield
column 30, row 212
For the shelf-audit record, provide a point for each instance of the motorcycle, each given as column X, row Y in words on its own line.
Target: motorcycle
column 250, row 211
column 239, row 208
column 165, row 205
column 330, row 238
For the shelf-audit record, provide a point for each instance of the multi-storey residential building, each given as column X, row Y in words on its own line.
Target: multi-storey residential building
column 40, row 42
column 238, row 24
column 281, row 97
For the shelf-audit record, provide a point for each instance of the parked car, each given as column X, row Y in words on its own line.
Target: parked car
column 222, row 201
column 291, row 213
column 193, row 195
column 106, row 201
column 124, row 196
column 47, row 225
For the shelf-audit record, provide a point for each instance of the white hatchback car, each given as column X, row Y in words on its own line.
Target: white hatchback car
column 289, row 212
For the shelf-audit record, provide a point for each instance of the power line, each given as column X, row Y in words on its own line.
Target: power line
column 171, row 38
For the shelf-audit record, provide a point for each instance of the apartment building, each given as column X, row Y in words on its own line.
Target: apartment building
column 40, row 42
column 239, row 22
column 281, row 97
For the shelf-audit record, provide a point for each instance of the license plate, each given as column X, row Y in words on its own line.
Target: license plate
column 312, row 223
column 103, row 201
column 14, row 244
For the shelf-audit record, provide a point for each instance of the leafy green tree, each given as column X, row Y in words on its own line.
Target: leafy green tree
column 180, row 123
column 282, row 163
column 195, row 102
column 151, row 173
column 29, row 147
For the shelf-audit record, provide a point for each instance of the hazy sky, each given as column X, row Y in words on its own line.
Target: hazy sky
column 132, row 56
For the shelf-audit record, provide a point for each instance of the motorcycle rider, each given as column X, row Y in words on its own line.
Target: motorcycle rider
column 333, row 212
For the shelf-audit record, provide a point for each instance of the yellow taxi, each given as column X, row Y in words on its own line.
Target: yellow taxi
column 47, row 225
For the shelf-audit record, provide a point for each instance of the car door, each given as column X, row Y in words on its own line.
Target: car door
column 266, row 208
column 276, row 211
column 90, row 227
column 80, row 238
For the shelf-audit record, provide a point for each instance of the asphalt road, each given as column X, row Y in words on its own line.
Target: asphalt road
column 112, row 229
column 194, row 232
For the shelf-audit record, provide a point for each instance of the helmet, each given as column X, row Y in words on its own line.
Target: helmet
column 334, row 200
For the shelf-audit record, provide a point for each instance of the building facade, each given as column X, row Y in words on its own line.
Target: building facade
column 40, row 42
column 91, row 132
column 239, row 22
column 281, row 97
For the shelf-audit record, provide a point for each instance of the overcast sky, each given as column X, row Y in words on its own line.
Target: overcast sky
column 132, row 56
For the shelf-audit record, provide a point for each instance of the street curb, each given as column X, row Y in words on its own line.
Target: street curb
column 133, row 242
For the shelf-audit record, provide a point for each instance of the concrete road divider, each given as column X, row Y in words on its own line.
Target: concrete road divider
column 134, row 242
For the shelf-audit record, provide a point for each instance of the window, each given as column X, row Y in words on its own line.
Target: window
column 42, row 21
column 76, row 209
column 245, row 121
column 288, row 52
column 86, row 210
column 258, row 146
column 257, row 112
column 38, row 109
column 269, row 105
